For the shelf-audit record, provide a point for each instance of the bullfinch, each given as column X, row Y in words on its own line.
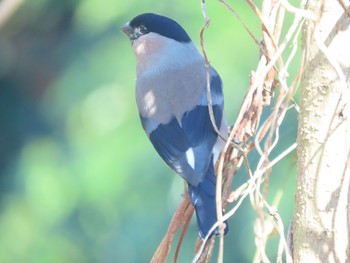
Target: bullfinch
column 171, row 96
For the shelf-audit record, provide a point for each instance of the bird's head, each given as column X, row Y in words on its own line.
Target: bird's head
column 159, row 43
column 147, row 23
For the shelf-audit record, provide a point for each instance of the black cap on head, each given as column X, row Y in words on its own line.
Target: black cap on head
column 147, row 23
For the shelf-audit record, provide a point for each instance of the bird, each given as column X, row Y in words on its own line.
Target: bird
column 171, row 96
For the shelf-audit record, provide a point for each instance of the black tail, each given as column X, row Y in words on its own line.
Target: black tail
column 203, row 199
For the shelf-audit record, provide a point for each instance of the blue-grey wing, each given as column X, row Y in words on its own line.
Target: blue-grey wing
column 187, row 146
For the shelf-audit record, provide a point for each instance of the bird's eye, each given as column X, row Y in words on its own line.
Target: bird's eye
column 143, row 30
column 139, row 31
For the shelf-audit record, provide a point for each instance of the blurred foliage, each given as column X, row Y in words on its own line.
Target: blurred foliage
column 79, row 180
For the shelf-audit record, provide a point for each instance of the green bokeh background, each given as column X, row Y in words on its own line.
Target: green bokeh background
column 79, row 180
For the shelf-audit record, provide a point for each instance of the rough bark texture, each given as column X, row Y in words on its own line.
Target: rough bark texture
column 322, row 215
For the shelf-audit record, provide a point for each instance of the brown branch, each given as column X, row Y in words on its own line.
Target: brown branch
column 181, row 218
column 182, row 236
column 207, row 251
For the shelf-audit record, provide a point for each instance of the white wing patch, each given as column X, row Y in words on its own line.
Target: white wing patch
column 190, row 157
column 150, row 102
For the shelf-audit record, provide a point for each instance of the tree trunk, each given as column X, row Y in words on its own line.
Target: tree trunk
column 322, row 214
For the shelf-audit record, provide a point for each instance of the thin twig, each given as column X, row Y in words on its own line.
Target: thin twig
column 307, row 14
column 248, row 187
column 241, row 21
column 207, row 66
column 345, row 7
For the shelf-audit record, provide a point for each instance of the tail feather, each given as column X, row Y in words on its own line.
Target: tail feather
column 203, row 199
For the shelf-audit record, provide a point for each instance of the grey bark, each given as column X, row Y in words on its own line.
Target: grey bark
column 321, row 220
